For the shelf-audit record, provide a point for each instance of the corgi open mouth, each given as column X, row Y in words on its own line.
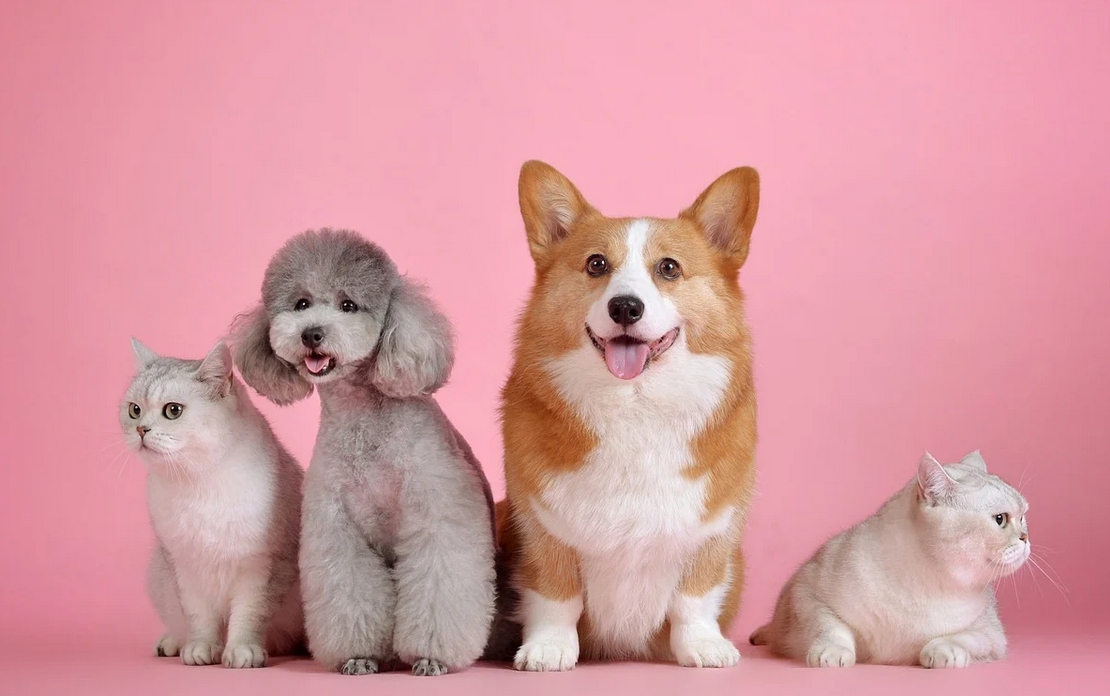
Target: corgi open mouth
column 627, row 357
column 319, row 364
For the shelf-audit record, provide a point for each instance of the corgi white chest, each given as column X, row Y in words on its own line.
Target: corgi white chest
column 630, row 512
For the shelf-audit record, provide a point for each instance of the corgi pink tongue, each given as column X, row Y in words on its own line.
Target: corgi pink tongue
column 626, row 359
column 315, row 364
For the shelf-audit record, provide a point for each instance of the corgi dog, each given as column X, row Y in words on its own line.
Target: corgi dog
column 629, row 426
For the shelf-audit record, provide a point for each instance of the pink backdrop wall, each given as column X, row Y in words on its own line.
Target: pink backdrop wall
column 930, row 269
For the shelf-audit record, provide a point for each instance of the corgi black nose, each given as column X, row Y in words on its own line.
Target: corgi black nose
column 312, row 337
column 626, row 309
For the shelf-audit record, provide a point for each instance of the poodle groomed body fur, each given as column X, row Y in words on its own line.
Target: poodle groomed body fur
column 397, row 543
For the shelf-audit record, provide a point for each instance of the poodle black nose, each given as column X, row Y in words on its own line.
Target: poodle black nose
column 312, row 337
column 626, row 309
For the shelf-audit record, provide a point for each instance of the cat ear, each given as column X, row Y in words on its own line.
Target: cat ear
column 975, row 461
column 933, row 482
column 726, row 212
column 143, row 355
column 215, row 369
column 416, row 350
column 260, row 366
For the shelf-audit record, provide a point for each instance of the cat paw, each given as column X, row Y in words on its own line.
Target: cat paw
column 830, row 655
column 200, row 652
column 711, row 651
column 551, row 655
column 428, row 667
column 942, row 653
column 244, row 655
column 359, row 665
column 167, row 646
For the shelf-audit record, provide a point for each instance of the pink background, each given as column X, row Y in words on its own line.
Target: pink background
column 930, row 268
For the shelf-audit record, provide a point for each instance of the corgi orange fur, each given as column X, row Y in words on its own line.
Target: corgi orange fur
column 629, row 426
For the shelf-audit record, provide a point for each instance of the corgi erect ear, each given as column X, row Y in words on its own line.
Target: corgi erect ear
column 726, row 212
column 549, row 204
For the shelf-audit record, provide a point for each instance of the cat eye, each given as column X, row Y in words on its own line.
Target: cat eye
column 302, row 304
column 597, row 265
column 669, row 269
column 348, row 306
column 1001, row 519
column 133, row 410
column 173, row 410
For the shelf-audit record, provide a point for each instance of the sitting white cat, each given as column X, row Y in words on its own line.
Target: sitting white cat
column 913, row 583
column 225, row 502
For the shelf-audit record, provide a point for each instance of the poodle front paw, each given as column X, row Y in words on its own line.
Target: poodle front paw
column 359, row 665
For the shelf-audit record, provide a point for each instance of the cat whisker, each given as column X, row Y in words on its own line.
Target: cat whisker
column 1059, row 586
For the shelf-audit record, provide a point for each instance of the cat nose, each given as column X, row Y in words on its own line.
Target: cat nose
column 312, row 337
column 1025, row 536
column 143, row 430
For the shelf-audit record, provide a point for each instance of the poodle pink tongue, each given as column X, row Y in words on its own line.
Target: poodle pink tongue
column 626, row 359
column 316, row 364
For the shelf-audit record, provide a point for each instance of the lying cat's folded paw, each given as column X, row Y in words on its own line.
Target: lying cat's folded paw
column 199, row 652
column 244, row 655
column 830, row 655
column 941, row 653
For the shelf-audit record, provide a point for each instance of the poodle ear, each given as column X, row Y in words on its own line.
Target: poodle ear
column 261, row 368
column 416, row 350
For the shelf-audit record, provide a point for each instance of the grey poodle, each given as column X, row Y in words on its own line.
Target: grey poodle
column 397, row 540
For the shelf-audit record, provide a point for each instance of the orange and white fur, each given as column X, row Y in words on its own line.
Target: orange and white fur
column 629, row 424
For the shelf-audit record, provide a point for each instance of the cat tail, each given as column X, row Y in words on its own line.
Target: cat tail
column 760, row 635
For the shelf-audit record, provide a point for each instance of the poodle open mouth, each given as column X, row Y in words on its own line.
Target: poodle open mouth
column 319, row 364
column 627, row 357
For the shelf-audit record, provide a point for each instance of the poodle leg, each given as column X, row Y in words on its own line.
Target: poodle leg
column 348, row 593
column 445, row 589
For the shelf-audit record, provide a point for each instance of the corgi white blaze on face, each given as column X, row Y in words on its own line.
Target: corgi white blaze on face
column 632, row 322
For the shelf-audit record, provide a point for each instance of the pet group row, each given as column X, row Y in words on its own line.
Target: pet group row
column 629, row 432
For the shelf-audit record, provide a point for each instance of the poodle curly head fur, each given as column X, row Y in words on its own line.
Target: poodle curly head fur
column 335, row 308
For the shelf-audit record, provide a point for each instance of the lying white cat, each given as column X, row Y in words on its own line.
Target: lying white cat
column 913, row 583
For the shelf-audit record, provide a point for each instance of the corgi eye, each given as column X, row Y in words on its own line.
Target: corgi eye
column 597, row 265
column 134, row 411
column 302, row 304
column 669, row 269
column 172, row 410
column 1001, row 519
column 348, row 306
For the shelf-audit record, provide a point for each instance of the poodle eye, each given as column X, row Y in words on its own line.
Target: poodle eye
column 669, row 269
column 348, row 306
column 1001, row 519
column 133, row 410
column 597, row 265
column 302, row 304
column 172, row 410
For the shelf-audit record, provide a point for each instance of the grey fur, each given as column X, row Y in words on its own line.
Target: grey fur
column 397, row 541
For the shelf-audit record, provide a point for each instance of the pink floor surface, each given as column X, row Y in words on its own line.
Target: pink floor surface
column 1071, row 665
